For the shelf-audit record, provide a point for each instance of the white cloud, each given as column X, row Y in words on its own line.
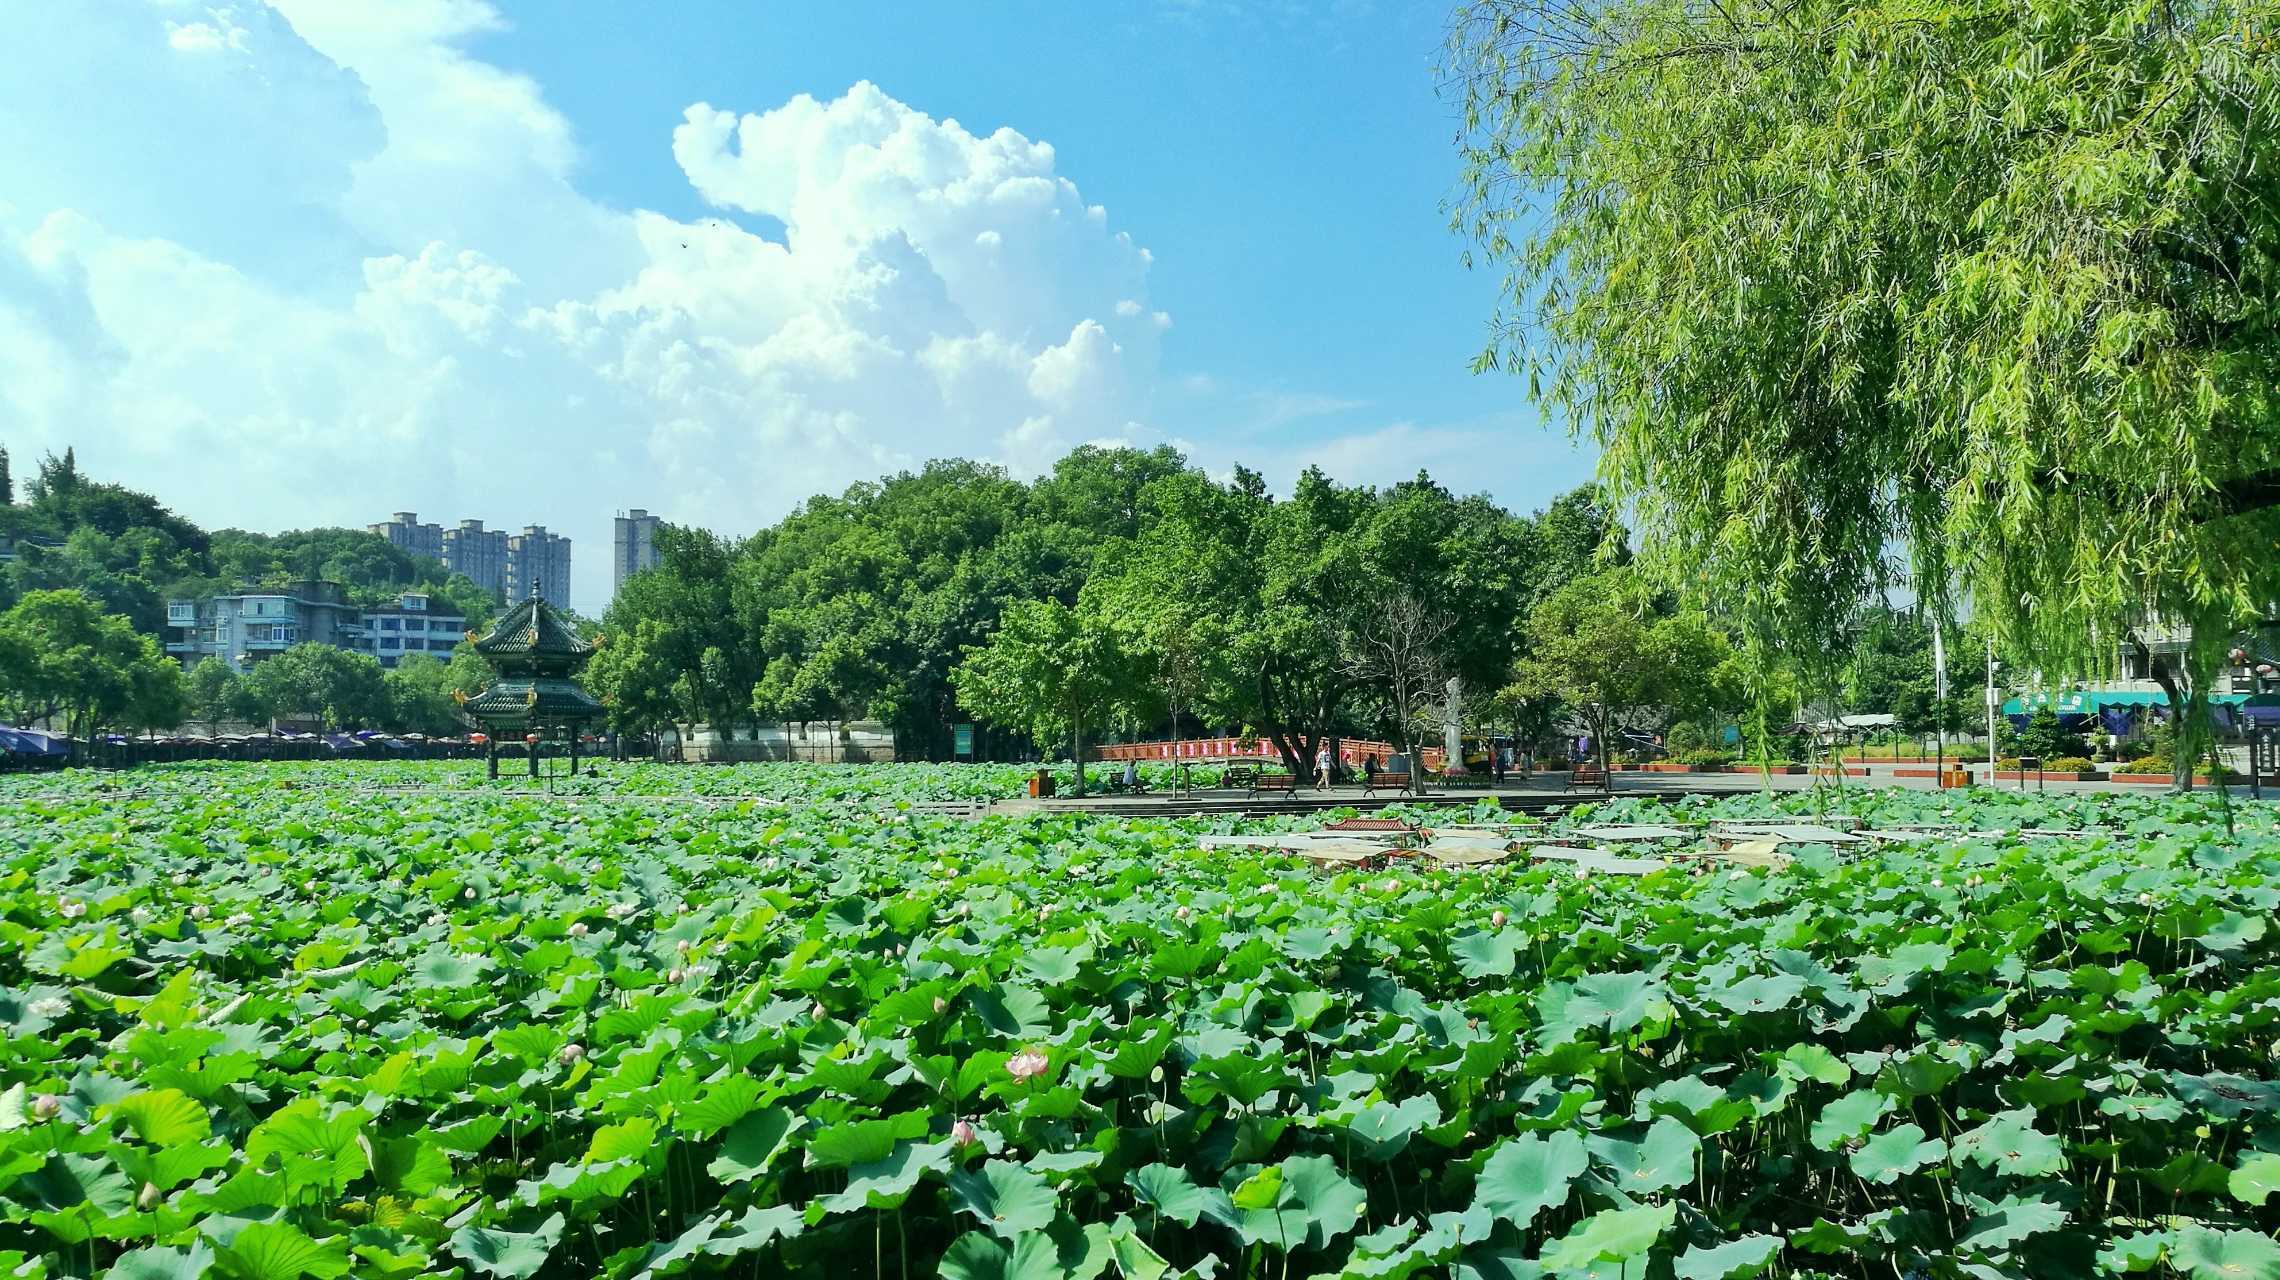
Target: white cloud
column 450, row 325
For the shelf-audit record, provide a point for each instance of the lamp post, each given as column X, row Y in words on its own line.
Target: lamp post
column 1993, row 701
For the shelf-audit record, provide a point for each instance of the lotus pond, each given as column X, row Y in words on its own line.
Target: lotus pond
column 279, row 1021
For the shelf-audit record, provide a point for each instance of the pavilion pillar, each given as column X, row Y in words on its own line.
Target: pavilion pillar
column 573, row 752
column 533, row 757
column 491, row 756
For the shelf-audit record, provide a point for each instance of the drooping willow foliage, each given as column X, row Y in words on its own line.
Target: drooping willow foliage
column 1992, row 284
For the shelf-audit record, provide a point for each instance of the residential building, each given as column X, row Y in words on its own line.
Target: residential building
column 411, row 626
column 538, row 562
column 634, row 548
column 479, row 553
column 254, row 625
column 404, row 531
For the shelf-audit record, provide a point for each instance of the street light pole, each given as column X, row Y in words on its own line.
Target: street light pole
column 1991, row 705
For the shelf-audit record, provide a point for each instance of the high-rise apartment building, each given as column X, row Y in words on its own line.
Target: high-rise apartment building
column 634, row 547
column 407, row 534
column 479, row 553
column 504, row 564
column 538, row 563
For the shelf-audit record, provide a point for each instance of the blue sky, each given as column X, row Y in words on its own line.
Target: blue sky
column 323, row 260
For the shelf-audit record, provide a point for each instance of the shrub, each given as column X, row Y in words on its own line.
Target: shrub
column 1703, row 758
column 2070, row 764
column 1688, row 736
column 2149, row 764
column 1969, row 755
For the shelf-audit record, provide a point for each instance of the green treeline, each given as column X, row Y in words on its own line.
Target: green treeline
column 1124, row 590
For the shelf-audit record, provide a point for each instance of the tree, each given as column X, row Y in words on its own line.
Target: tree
column 64, row 661
column 1598, row 646
column 215, row 693
column 1822, row 277
column 1398, row 647
column 419, row 700
column 1053, row 672
column 335, row 687
column 7, row 482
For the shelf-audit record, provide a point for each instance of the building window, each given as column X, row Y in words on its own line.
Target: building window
column 390, row 624
column 414, row 642
column 415, row 624
column 391, row 642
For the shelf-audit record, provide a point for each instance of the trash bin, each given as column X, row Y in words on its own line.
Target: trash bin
column 1041, row 785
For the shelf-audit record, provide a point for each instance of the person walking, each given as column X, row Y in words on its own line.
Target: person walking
column 1322, row 767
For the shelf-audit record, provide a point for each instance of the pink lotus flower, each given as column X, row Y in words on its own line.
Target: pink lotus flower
column 1026, row 1065
column 962, row 1134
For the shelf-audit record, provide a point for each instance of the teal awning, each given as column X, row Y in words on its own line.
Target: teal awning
column 2087, row 702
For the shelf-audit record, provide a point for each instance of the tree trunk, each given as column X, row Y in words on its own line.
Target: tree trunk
column 1079, row 735
column 2181, row 751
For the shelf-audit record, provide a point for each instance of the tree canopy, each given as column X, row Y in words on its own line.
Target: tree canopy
column 1821, row 278
column 65, row 662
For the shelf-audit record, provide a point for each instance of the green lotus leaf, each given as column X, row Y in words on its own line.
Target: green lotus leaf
column 1997, row 1225
column 1007, row 1198
column 1661, row 1157
column 975, row 1256
column 1168, row 1192
column 1610, row 1235
column 276, row 1251
column 2207, row 1254
column 1732, row 1260
column 163, row 1118
column 854, row 1142
column 2009, row 1143
column 1888, row 1156
column 156, row 1263
column 515, row 1255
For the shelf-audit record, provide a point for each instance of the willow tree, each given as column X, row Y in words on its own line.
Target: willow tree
column 1991, row 283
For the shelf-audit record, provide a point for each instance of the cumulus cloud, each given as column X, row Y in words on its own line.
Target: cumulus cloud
column 314, row 262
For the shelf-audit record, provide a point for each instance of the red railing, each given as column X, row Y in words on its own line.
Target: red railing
column 1351, row 751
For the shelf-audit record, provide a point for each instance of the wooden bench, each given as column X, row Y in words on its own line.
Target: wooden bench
column 1116, row 786
column 1375, row 780
column 1586, row 777
column 1282, row 782
column 1239, row 777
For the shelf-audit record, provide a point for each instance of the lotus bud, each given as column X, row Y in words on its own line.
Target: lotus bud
column 1180, row 913
column 1936, row 882
column 901, row 951
column 940, row 1004
column 578, row 929
column 962, row 1134
column 817, row 1010
column 1497, row 918
column 682, row 947
column 468, row 893
column 363, row 1024
column 1391, row 884
column 673, row 976
column 148, row 1197
column 200, row 912
column 181, row 878
column 45, row 1106
column 70, row 909
column 571, row 1052
column 2145, row 899
column 438, row 918
column 239, row 921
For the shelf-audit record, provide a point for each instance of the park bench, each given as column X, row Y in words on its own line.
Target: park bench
column 1116, row 786
column 1283, row 782
column 1239, row 777
column 1586, row 777
column 1376, row 780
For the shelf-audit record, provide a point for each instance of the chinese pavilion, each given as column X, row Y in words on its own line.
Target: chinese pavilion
column 536, row 657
